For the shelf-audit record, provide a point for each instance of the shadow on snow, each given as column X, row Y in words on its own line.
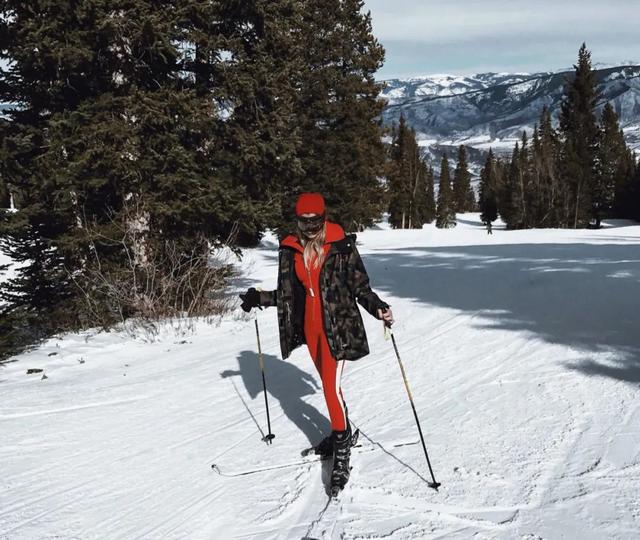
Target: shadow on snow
column 580, row 295
column 286, row 383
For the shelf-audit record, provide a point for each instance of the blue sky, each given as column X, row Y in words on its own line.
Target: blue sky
column 424, row 37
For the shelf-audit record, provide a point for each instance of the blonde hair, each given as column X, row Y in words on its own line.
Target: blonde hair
column 313, row 249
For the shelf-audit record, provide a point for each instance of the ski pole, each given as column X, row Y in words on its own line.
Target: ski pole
column 433, row 484
column 270, row 436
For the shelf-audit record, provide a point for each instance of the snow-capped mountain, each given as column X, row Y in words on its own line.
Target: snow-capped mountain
column 492, row 109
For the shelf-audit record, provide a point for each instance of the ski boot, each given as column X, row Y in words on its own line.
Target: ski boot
column 324, row 448
column 341, row 455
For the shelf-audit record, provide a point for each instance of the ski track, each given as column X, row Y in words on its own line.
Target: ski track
column 525, row 446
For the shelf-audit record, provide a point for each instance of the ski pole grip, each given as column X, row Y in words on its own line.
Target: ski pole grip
column 259, row 289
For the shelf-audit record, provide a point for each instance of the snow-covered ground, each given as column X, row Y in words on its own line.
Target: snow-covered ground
column 522, row 350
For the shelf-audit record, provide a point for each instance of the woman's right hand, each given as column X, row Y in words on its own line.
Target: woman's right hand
column 386, row 315
column 250, row 299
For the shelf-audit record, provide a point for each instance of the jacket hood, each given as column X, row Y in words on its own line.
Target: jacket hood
column 334, row 233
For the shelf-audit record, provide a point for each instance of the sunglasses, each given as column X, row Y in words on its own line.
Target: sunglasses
column 310, row 224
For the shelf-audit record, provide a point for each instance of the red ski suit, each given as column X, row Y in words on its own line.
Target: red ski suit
column 329, row 369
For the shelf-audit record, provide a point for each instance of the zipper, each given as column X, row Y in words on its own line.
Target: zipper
column 311, row 291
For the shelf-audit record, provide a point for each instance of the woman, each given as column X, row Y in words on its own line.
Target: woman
column 320, row 278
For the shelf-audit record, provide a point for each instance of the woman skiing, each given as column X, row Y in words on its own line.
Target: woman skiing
column 320, row 278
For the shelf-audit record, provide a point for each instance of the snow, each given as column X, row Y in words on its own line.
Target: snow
column 522, row 88
column 396, row 93
column 7, row 273
column 521, row 349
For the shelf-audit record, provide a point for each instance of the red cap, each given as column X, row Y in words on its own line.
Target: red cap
column 310, row 203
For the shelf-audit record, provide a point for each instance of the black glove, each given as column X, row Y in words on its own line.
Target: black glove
column 383, row 307
column 250, row 299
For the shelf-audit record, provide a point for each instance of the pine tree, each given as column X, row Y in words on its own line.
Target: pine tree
column 615, row 168
column 410, row 201
column 489, row 189
column 430, row 199
column 119, row 110
column 257, row 51
column 526, row 190
column 510, row 200
column 550, row 192
column 61, row 75
column 580, row 131
column 536, row 189
column 464, row 198
column 417, row 183
column 470, row 202
column 399, row 176
column 445, row 213
column 635, row 192
column 5, row 198
column 342, row 154
column 423, row 201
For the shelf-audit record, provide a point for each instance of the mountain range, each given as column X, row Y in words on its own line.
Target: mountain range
column 491, row 110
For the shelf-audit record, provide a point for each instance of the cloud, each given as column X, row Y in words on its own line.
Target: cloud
column 433, row 21
column 465, row 36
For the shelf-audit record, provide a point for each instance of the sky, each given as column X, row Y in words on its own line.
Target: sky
column 424, row 37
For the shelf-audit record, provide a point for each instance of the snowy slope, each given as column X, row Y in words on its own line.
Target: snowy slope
column 522, row 352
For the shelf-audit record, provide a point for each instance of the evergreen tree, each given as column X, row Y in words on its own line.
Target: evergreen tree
column 489, row 189
column 400, row 176
column 5, row 197
column 410, row 198
column 510, row 200
column 430, row 199
column 423, row 199
column 257, row 50
column 548, row 164
column 580, row 132
column 116, row 110
column 342, row 153
column 418, row 196
column 463, row 196
column 635, row 192
column 470, row 202
column 535, row 192
column 526, row 189
column 62, row 73
column 445, row 213
column 615, row 168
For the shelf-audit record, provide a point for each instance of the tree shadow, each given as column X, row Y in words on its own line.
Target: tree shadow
column 286, row 383
column 580, row 295
column 473, row 222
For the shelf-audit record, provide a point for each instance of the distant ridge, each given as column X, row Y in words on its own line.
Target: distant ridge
column 492, row 109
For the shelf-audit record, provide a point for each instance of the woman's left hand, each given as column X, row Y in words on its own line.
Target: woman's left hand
column 386, row 315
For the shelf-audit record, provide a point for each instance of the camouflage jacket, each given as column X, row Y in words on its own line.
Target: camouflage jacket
column 343, row 281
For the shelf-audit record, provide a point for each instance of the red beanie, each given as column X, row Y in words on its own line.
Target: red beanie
column 310, row 203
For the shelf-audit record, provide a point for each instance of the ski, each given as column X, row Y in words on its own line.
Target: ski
column 311, row 458
column 246, row 472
